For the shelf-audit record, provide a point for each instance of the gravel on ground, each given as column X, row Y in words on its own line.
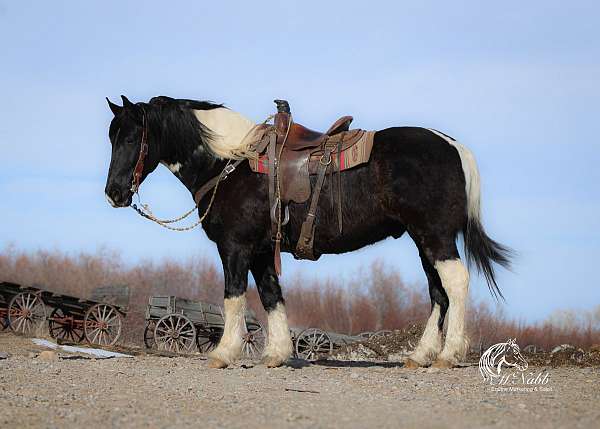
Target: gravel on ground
column 164, row 392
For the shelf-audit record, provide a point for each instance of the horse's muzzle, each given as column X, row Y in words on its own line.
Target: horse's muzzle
column 117, row 198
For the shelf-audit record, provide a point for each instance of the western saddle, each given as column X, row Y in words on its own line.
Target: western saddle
column 293, row 154
column 290, row 153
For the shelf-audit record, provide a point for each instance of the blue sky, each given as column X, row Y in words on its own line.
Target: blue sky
column 517, row 82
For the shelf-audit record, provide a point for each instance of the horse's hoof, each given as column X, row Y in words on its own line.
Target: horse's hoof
column 271, row 362
column 442, row 364
column 411, row 364
column 216, row 364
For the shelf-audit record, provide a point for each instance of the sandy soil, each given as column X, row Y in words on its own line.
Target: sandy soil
column 155, row 391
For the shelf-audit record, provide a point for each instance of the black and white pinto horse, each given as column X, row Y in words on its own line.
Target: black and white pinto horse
column 418, row 181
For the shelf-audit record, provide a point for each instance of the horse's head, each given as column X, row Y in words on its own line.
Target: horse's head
column 133, row 156
column 513, row 356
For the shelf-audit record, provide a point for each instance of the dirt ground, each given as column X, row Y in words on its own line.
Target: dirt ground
column 157, row 391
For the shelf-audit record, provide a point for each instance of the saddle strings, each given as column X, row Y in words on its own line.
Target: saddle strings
column 278, row 181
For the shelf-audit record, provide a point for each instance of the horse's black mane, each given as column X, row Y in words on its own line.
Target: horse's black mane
column 173, row 119
column 163, row 100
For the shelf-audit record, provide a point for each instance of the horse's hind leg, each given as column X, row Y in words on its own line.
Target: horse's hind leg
column 455, row 281
column 430, row 343
column 279, row 341
column 441, row 252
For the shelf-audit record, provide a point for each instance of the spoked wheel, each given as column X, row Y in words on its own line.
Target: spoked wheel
column 313, row 343
column 102, row 325
column 26, row 313
column 149, row 334
column 63, row 326
column 175, row 333
column 208, row 338
column 254, row 341
column 3, row 321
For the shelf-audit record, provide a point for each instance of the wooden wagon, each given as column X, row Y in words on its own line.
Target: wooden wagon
column 22, row 308
column 315, row 343
column 99, row 320
column 182, row 325
column 25, row 309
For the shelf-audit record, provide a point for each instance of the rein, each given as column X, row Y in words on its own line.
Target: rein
column 139, row 165
column 144, row 209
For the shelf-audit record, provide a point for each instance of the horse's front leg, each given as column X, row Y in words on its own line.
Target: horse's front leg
column 235, row 268
column 279, row 341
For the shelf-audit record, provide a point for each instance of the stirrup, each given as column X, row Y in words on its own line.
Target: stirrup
column 286, row 214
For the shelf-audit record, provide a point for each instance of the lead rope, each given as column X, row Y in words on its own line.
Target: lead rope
column 145, row 211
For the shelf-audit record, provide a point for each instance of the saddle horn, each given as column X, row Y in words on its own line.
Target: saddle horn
column 282, row 106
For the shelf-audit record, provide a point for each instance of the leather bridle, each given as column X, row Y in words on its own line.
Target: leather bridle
column 139, row 166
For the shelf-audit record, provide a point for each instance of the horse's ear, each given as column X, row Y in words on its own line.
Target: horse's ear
column 126, row 102
column 116, row 109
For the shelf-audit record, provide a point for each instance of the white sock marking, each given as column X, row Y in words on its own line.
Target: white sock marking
column 455, row 281
column 279, row 342
column 231, row 343
column 430, row 343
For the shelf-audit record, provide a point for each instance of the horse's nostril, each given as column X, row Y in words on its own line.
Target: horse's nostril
column 115, row 195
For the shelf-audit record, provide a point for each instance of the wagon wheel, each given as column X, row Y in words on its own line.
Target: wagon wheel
column 149, row 334
column 208, row 338
column 3, row 322
column 102, row 324
column 62, row 326
column 253, row 340
column 312, row 343
column 26, row 313
column 175, row 333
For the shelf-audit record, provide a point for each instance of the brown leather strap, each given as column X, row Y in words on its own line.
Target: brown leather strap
column 339, row 177
column 274, row 199
column 304, row 248
column 139, row 165
column 271, row 166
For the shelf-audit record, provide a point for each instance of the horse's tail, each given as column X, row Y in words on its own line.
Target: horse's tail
column 479, row 247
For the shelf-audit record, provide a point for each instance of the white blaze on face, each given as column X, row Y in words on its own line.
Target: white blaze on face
column 229, row 129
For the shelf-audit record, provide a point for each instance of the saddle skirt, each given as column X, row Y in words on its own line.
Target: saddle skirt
column 297, row 165
column 356, row 149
